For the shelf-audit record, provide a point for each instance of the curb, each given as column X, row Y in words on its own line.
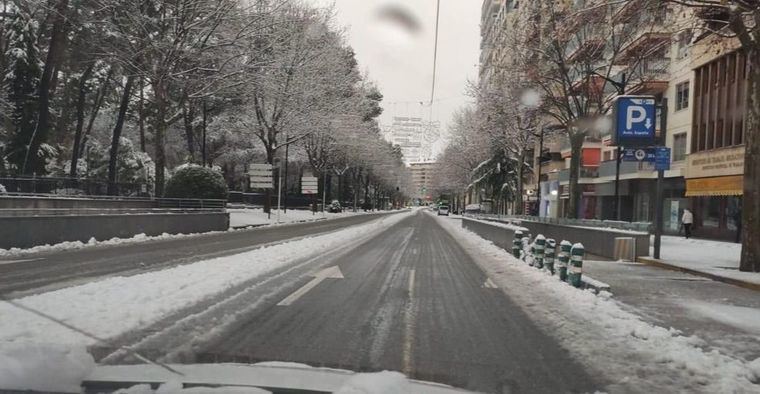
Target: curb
column 661, row 264
column 588, row 282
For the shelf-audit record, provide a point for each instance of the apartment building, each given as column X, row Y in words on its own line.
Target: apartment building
column 422, row 176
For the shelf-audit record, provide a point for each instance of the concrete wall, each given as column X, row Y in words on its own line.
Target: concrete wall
column 599, row 242
column 11, row 202
column 25, row 232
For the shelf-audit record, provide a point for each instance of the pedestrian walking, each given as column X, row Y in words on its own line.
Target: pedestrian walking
column 687, row 220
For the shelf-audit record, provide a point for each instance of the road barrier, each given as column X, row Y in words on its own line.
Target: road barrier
column 576, row 264
column 517, row 244
column 564, row 259
column 540, row 246
column 541, row 253
column 551, row 247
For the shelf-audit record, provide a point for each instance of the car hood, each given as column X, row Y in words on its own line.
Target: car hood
column 275, row 377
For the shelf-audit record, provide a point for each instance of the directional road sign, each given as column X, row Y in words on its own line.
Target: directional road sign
column 639, row 154
column 662, row 158
column 309, row 185
column 635, row 120
column 260, row 176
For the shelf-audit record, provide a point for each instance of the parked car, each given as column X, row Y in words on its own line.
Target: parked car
column 335, row 207
column 443, row 210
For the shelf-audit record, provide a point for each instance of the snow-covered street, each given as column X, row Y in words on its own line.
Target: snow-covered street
column 377, row 296
column 242, row 217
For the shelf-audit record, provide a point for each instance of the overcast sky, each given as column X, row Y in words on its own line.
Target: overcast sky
column 401, row 62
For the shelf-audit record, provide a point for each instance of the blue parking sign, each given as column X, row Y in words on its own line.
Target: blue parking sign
column 635, row 120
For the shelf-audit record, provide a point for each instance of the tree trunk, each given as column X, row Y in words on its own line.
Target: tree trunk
column 576, row 147
column 188, row 115
column 116, row 136
column 81, row 98
column 141, row 115
column 99, row 98
column 41, row 130
column 519, row 206
column 161, row 106
column 750, row 257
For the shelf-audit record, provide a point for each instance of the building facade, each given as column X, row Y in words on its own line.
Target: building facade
column 415, row 137
column 422, row 177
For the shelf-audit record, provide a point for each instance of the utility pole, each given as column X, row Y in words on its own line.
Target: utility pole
column 287, row 146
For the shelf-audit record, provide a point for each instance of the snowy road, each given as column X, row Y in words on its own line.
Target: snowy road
column 407, row 299
column 40, row 272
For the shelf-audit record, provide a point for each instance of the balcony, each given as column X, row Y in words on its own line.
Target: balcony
column 627, row 168
column 643, row 44
column 586, row 175
column 649, row 77
column 587, row 48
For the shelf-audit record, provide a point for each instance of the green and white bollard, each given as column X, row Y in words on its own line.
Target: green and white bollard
column 563, row 259
column 551, row 246
column 517, row 244
column 526, row 248
column 538, row 255
column 576, row 265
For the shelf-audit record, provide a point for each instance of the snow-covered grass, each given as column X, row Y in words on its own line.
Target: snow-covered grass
column 629, row 354
column 712, row 257
column 116, row 305
column 257, row 216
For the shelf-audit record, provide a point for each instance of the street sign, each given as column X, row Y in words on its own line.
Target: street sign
column 635, row 120
column 309, row 185
column 662, row 158
column 646, row 155
column 260, row 176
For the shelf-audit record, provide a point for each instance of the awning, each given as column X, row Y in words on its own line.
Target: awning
column 717, row 186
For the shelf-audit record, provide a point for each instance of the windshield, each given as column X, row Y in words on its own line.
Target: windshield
column 363, row 196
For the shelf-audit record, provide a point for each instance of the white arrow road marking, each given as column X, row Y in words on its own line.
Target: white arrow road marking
column 18, row 261
column 330, row 272
column 489, row 284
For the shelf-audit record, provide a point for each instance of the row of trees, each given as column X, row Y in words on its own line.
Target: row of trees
column 127, row 90
column 553, row 69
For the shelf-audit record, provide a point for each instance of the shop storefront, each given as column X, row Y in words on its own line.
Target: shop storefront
column 714, row 186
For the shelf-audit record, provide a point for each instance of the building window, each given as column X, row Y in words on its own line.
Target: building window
column 679, row 147
column 682, row 95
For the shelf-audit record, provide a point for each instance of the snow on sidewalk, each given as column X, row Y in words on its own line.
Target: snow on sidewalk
column 113, row 306
column 256, row 216
column 711, row 257
column 627, row 353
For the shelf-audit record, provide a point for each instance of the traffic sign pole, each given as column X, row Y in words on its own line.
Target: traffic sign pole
column 660, row 178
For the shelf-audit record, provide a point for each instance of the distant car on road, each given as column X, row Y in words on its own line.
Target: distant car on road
column 335, row 207
column 443, row 210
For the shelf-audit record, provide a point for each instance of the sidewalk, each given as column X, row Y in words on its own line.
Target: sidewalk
column 724, row 316
column 711, row 259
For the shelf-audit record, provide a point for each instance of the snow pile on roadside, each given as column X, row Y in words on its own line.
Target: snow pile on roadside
column 176, row 388
column 116, row 305
column 505, row 225
column 71, row 245
column 43, row 367
column 257, row 216
column 633, row 355
column 385, row 382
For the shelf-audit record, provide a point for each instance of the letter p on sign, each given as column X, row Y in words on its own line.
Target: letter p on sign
column 636, row 114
